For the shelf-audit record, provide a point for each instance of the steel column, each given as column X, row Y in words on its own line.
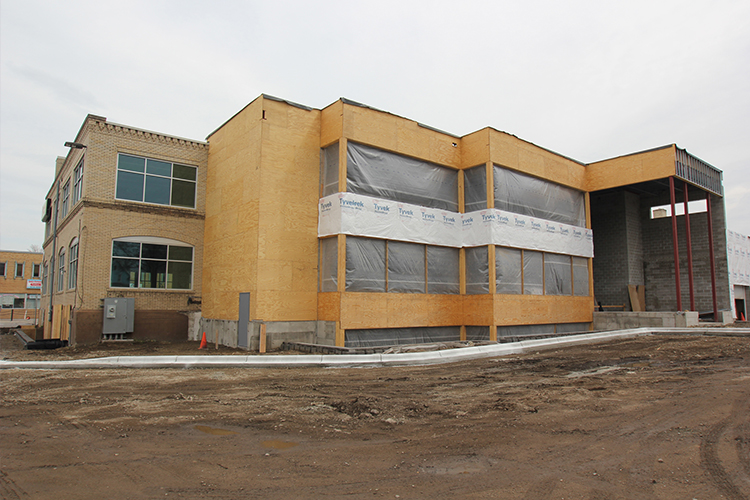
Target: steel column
column 674, row 245
column 711, row 255
column 689, row 248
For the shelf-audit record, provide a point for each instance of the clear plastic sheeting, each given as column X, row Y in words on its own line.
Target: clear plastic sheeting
column 508, row 266
column 477, row 270
column 379, row 337
column 329, row 251
column 478, row 333
column 533, row 273
column 580, row 276
column 558, row 279
column 519, row 193
column 329, row 166
column 443, row 274
column 475, row 188
column 378, row 173
column 406, row 269
column 524, row 330
column 365, row 265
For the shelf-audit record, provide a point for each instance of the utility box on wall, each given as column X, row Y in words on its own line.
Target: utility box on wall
column 119, row 316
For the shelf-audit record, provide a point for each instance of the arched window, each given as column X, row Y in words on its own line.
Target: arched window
column 61, row 273
column 149, row 262
column 73, row 264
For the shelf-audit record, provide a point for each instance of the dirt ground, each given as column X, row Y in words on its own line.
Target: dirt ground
column 653, row 417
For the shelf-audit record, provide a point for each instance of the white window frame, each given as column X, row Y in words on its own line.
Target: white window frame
column 61, row 271
column 155, row 241
column 66, row 199
column 73, row 264
column 78, row 182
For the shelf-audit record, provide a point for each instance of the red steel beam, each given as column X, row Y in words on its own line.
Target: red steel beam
column 674, row 245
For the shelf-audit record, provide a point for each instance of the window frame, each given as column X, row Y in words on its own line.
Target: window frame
column 36, row 270
column 4, row 266
column 23, row 270
column 73, row 264
column 78, row 182
column 65, row 199
column 155, row 241
column 146, row 175
column 61, row 270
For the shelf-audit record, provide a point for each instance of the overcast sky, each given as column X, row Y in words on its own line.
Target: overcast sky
column 587, row 79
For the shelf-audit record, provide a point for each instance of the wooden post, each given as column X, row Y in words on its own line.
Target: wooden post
column 262, row 348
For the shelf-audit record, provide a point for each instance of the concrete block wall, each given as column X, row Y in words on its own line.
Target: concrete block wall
column 277, row 332
column 659, row 259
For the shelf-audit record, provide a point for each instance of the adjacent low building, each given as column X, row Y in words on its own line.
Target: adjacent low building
column 20, row 286
column 352, row 226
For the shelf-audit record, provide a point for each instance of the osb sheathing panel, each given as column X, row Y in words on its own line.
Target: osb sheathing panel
column 331, row 123
column 475, row 148
column 631, row 169
column 516, row 154
column 477, row 310
column 288, row 216
column 232, row 201
column 395, row 310
column 329, row 306
column 400, row 135
column 541, row 309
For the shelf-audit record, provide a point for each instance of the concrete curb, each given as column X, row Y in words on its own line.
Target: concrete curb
column 363, row 360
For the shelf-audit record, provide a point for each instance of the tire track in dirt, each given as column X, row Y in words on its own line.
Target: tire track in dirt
column 9, row 490
column 709, row 455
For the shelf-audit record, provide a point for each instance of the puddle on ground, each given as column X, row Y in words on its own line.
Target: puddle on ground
column 213, row 430
column 279, row 445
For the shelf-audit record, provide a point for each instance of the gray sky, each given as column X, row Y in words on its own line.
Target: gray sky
column 587, row 79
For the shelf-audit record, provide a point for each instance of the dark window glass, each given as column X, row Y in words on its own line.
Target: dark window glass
column 157, row 167
column 180, row 253
column 180, row 274
column 153, row 273
column 154, row 251
column 157, row 190
column 124, row 273
column 126, row 249
column 183, row 193
column 132, row 163
column 129, row 186
column 184, row 172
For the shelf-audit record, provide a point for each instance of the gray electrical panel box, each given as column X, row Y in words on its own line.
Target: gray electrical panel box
column 119, row 314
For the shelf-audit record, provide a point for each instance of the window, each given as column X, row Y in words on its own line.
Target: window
column 155, row 181
column 151, row 263
column 477, row 270
column 557, row 274
column 475, row 188
column 66, row 199
column 36, row 270
column 32, row 301
column 61, row 272
column 19, row 269
column 533, row 272
column 78, row 182
column 508, row 264
column 44, row 278
column 580, row 276
column 2, row 268
column 73, row 264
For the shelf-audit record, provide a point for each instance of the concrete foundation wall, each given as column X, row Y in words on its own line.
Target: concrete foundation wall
column 626, row 320
column 277, row 332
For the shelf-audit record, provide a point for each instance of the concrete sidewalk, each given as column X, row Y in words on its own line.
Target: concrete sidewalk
column 363, row 360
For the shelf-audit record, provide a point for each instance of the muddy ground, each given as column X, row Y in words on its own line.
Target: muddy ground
column 653, row 417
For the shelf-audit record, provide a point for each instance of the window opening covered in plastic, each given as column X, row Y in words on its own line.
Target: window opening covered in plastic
column 533, row 272
column 365, row 265
column 329, row 253
column 557, row 274
column 443, row 274
column 477, row 270
column 395, row 336
column 527, row 195
column 508, row 265
column 580, row 276
column 477, row 333
column 475, row 188
column 382, row 174
column 406, row 270
column 329, row 165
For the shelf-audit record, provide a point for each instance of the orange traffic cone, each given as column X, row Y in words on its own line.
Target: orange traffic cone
column 204, row 344
column 742, row 316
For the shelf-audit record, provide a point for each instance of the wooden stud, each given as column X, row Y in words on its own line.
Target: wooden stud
column 493, row 333
column 262, row 347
